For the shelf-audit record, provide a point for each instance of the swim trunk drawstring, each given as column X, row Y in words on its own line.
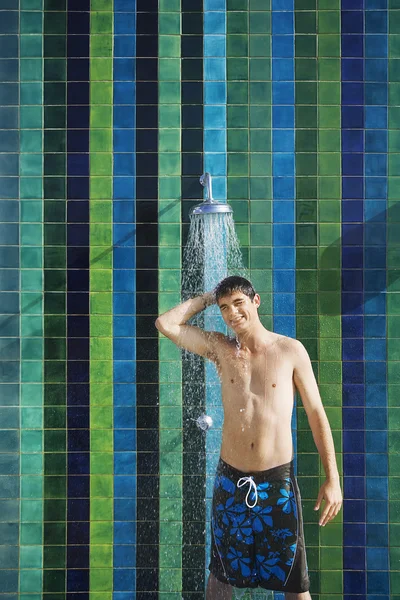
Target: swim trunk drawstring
column 242, row 481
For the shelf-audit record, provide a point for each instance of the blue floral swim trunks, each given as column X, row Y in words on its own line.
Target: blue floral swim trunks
column 257, row 530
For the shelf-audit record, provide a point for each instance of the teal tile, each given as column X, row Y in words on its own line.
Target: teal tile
column 31, row 441
column 237, row 22
column 237, row 116
column 31, row 393
column 237, row 45
column 31, row 557
column 260, row 234
column 31, row 510
column 260, row 22
column 30, row 582
column 31, row 93
column 31, row 486
column 31, row 141
column 31, row 164
column 31, row 464
column 261, row 164
column 260, row 69
column 31, row 349
column 31, row 22
column 31, row 69
column 260, row 92
column 261, row 212
column 260, row 140
column 31, row 234
column 260, row 45
column 31, row 46
column 169, row 23
column 238, row 140
column 31, row 117
column 31, row 211
column 30, row 188
column 31, row 417
column 260, row 188
column 31, row 533
column 262, row 5
column 260, row 116
column 31, row 372
column 237, row 92
column 237, row 69
column 31, row 4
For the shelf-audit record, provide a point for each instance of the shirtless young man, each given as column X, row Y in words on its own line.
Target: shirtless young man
column 257, row 529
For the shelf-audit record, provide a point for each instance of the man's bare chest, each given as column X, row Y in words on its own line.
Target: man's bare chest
column 255, row 374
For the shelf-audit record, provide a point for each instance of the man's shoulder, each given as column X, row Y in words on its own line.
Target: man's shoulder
column 286, row 342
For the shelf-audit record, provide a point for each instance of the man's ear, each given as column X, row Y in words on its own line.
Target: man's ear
column 257, row 300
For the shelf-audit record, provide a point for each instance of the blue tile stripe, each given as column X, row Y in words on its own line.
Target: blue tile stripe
column 215, row 94
column 9, row 309
column 31, row 320
column 124, row 329
column 375, row 207
column 283, row 172
column 353, row 113
column 215, row 162
column 283, row 168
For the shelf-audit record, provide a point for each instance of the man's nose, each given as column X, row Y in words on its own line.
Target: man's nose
column 232, row 312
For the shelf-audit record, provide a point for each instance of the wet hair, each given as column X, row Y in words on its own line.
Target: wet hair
column 232, row 284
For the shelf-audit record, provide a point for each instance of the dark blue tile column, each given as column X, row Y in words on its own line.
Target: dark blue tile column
column 353, row 114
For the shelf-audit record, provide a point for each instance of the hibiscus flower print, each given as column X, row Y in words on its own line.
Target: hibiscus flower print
column 268, row 566
column 241, row 527
column 281, row 534
column 238, row 561
column 230, row 511
column 287, row 501
column 261, row 517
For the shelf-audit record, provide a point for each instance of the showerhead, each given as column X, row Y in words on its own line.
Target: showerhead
column 209, row 205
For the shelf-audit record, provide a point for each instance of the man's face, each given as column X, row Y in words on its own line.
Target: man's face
column 238, row 311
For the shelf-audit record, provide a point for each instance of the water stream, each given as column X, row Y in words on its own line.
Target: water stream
column 212, row 253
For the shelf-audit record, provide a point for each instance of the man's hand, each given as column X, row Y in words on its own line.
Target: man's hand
column 332, row 494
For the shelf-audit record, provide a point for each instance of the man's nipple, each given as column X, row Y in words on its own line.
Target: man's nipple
column 274, row 385
column 232, row 381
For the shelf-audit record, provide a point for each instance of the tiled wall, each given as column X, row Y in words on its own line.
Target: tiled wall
column 109, row 112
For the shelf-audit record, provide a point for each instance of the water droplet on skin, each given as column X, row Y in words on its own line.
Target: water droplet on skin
column 241, row 409
column 242, row 428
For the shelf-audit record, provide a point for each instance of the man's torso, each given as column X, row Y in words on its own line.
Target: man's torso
column 257, row 394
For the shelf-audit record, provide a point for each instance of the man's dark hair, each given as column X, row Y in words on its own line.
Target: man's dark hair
column 234, row 284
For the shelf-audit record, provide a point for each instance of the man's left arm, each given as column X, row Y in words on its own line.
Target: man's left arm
column 307, row 387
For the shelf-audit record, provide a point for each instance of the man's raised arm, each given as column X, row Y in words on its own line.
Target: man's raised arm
column 173, row 324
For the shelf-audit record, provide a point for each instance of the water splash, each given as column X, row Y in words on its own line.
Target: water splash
column 212, row 252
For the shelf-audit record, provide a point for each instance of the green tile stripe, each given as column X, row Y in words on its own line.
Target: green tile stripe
column 169, row 285
column 31, row 319
column 393, row 301
column 306, row 255
column 260, row 157
column 101, row 331
column 329, row 266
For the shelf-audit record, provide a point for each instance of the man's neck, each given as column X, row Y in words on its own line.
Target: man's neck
column 256, row 339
